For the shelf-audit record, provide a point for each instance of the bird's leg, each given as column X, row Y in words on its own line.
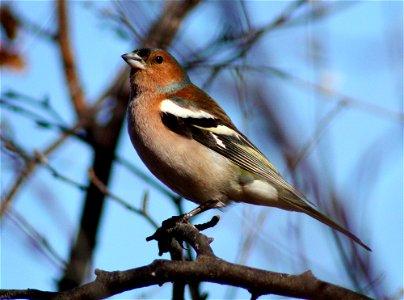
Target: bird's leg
column 201, row 208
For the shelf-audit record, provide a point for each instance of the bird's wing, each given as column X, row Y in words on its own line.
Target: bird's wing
column 221, row 137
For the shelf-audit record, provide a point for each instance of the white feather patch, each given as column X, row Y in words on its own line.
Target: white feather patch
column 217, row 140
column 168, row 106
column 224, row 130
column 262, row 190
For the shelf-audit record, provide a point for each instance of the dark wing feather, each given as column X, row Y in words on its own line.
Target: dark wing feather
column 230, row 143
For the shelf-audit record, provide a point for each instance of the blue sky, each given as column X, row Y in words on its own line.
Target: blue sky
column 359, row 57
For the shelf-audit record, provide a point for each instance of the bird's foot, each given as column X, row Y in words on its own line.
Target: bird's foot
column 170, row 228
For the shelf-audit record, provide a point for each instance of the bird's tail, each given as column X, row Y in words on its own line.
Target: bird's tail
column 301, row 206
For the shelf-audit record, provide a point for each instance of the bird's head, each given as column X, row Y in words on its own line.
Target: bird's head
column 155, row 70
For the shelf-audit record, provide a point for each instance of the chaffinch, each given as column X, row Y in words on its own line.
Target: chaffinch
column 188, row 142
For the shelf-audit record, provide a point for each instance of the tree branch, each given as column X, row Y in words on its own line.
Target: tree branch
column 76, row 92
column 207, row 267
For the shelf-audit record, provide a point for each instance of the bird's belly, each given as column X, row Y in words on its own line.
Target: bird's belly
column 186, row 166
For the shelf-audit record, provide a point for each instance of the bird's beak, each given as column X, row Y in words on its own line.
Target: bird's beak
column 134, row 60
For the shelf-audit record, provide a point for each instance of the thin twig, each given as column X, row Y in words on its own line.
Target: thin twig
column 123, row 18
column 29, row 168
column 145, row 177
column 11, row 97
column 55, row 173
column 40, row 240
column 97, row 182
column 320, row 129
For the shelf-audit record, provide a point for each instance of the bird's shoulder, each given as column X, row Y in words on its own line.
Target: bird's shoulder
column 193, row 102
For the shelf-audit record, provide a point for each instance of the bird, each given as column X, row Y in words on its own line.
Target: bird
column 191, row 145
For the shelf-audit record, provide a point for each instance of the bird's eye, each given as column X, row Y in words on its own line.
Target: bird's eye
column 159, row 59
